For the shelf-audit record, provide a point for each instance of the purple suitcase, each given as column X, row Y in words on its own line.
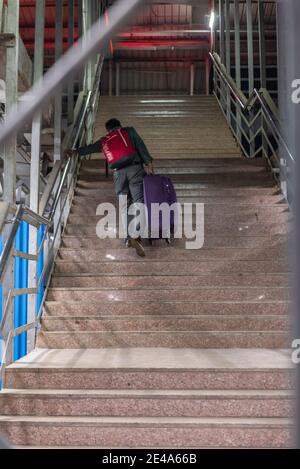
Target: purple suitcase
column 160, row 189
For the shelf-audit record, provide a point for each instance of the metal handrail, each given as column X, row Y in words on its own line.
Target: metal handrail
column 262, row 96
column 10, row 240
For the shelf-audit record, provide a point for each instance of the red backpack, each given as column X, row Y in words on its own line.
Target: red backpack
column 118, row 148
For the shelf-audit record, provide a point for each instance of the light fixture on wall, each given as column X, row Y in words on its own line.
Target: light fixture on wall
column 212, row 20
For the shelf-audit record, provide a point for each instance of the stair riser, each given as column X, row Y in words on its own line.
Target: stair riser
column 59, row 340
column 173, row 281
column 203, row 294
column 145, row 437
column 114, row 378
column 138, row 267
column 241, row 323
column 140, row 309
column 146, row 407
column 179, row 254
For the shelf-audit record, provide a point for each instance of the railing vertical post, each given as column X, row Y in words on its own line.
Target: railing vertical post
column 192, row 79
column 237, row 46
column 227, row 54
column 70, row 44
column 10, row 149
column 250, row 63
column 262, row 44
column 35, row 167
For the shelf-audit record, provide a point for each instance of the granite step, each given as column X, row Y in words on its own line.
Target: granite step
column 143, row 432
column 239, row 242
column 234, row 163
column 175, row 254
column 152, row 368
column 169, row 339
column 188, row 168
column 140, row 267
column 207, row 165
column 213, row 203
column 188, row 215
column 169, row 282
column 146, row 403
column 210, row 229
column 201, row 294
column 78, row 309
column 212, row 210
column 218, row 181
column 166, row 323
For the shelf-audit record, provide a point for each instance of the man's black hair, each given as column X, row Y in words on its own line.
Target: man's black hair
column 112, row 124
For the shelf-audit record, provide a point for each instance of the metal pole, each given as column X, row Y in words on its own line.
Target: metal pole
column 10, row 149
column 87, row 23
column 12, row 56
column 237, row 47
column 192, row 79
column 70, row 44
column 250, row 65
column 222, row 47
column 80, row 33
column 213, row 29
column 262, row 63
column 117, row 79
column 110, row 77
column 262, row 44
column 250, row 46
column 207, row 75
column 288, row 72
column 227, row 52
column 1, row 14
column 35, row 167
column 58, row 99
column 222, row 28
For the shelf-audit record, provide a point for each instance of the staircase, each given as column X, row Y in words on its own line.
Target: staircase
column 173, row 127
column 180, row 349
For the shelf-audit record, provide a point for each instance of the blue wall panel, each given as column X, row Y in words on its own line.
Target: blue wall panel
column 21, row 281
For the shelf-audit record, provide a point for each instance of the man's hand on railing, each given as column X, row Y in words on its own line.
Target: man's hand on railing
column 70, row 153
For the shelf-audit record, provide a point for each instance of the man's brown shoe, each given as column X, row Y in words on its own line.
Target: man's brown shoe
column 137, row 245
